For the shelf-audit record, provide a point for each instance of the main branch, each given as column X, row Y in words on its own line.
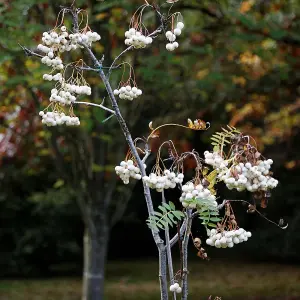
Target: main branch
column 185, row 255
column 169, row 251
column 158, row 241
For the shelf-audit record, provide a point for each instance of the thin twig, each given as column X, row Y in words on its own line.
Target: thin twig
column 146, row 156
column 264, row 217
column 115, row 60
column 29, row 52
column 97, row 105
column 158, row 30
column 93, row 69
column 220, row 206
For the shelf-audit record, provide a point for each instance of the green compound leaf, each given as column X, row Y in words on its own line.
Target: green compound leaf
column 168, row 216
column 219, row 139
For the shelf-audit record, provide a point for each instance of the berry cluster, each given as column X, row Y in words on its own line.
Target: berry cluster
column 226, row 239
column 247, row 176
column 192, row 193
column 62, row 41
column 78, row 89
column 65, row 91
column 55, row 63
column 84, row 37
column 128, row 93
column 175, row 288
column 54, row 42
column 171, row 37
column 127, row 169
column 56, row 77
column 136, row 39
column 56, row 118
column 168, row 180
column 215, row 160
column 66, row 94
column 57, row 41
column 63, row 97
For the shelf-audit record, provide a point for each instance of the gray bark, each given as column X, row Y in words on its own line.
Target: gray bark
column 163, row 272
column 185, row 255
column 96, row 239
column 95, row 253
column 169, row 251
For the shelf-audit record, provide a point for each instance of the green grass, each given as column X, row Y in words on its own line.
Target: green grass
column 137, row 280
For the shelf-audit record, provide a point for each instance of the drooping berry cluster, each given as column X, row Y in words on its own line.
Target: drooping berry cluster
column 175, row 288
column 61, row 41
column 65, row 92
column 55, row 63
column 161, row 182
column 127, row 169
column 63, row 97
column 56, row 77
column 78, row 89
column 192, row 195
column 226, row 239
column 128, row 92
column 136, row 39
column 215, row 160
column 87, row 37
column 55, row 118
column 58, row 41
column 171, row 37
column 251, row 177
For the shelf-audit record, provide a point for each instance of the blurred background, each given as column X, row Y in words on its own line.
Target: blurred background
column 238, row 63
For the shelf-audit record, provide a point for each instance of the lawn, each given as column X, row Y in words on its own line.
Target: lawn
column 137, row 280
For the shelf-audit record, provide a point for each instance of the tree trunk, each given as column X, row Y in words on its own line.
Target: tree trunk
column 95, row 252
